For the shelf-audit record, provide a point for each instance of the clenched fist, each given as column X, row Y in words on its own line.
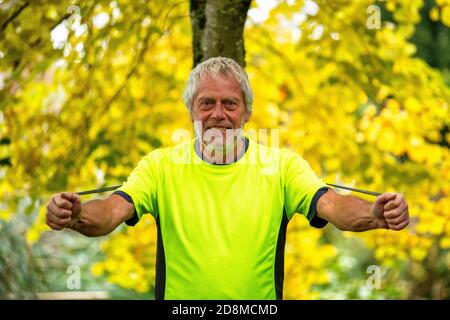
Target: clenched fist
column 391, row 211
column 62, row 209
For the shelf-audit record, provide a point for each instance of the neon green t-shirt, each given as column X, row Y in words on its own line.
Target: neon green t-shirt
column 221, row 228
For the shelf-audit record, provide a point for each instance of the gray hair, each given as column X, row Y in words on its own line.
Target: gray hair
column 215, row 67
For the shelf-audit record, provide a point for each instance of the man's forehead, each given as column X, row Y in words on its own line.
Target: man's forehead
column 221, row 78
column 223, row 83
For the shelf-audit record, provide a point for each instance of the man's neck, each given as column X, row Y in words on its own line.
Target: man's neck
column 223, row 156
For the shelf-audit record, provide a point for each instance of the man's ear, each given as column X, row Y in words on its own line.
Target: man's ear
column 247, row 116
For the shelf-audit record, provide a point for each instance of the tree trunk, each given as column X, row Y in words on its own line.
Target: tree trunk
column 217, row 29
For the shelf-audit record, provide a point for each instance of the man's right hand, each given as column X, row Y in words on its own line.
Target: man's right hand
column 62, row 209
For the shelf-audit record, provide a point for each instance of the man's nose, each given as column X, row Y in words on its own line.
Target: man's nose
column 218, row 111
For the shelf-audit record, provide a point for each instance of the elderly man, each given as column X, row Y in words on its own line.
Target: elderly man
column 222, row 202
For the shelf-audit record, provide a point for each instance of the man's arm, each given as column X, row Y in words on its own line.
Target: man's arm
column 349, row 213
column 93, row 218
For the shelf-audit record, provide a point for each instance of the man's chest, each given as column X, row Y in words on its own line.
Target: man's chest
column 243, row 204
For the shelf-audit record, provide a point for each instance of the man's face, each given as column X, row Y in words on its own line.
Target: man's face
column 219, row 108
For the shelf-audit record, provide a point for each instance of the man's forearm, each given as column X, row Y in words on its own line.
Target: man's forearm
column 348, row 213
column 94, row 220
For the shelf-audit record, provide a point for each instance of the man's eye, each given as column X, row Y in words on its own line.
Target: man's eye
column 207, row 103
column 230, row 104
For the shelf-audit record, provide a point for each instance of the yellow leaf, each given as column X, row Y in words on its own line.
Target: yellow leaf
column 434, row 14
column 418, row 254
column 445, row 15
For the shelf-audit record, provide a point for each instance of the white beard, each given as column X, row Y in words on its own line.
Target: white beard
column 221, row 141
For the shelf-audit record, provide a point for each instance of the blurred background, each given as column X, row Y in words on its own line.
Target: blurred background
column 359, row 88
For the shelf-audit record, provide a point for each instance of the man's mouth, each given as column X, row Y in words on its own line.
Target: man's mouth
column 220, row 136
column 219, row 128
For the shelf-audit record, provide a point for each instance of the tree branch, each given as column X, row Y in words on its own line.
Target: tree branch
column 13, row 16
column 138, row 60
column 66, row 16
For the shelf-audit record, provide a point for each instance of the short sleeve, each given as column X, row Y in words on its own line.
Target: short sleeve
column 301, row 185
column 141, row 187
column 314, row 220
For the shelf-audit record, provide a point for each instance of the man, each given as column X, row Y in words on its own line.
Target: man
column 223, row 201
